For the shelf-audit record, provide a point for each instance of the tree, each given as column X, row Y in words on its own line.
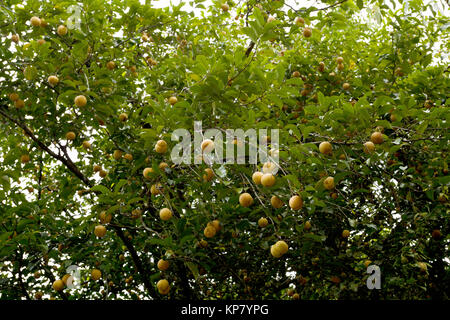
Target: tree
column 92, row 91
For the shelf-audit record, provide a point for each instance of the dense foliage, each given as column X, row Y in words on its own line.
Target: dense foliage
column 344, row 71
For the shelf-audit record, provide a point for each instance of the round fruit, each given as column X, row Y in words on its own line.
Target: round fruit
column 368, row 147
column 163, row 265
column 209, row 174
column 70, row 135
column 295, row 74
column 24, row 158
column 96, row 274
column 86, row 145
column 340, row 60
column 225, row 7
column 328, row 183
column 263, row 222
column 165, row 214
column 19, row 103
column 269, row 167
column 209, row 231
column 296, row 202
column 128, row 157
column 117, row 155
column 163, row 286
column 105, row 217
column 346, row 86
column 267, row 180
column 100, row 231
column 13, row 96
column 156, row 189
column 15, row 38
column 58, row 285
column 65, row 278
column 245, row 200
column 256, row 177
column 123, row 117
column 103, row 173
column 276, row 202
column 80, row 101
column 97, row 168
column 340, row 67
column 207, row 145
column 147, row 172
column 376, row 138
column 216, row 225
column 436, row 234
column 173, row 100
column 307, row 225
column 62, row 30
column 53, row 80
column 110, row 65
column 325, row 147
column 345, row 233
column 307, row 32
column 38, row 295
column 299, row 21
column 161, row 146
column 35, row 21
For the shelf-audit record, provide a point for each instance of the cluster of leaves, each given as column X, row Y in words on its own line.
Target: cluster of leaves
column 230, row 68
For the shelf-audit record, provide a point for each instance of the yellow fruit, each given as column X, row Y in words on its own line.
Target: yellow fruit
column 165, row 214
column 307, row 225
column 296, row 202
column 307, row 32
column 245, row 200
column 156, row 189
column 111, row 65
column 276, row 202
column 163, row 286
column 376, row 138
column 346, row 86
column 53, row 80
column 325, row 147
column 225, row 7
column 65, row 278
column 367, row 263
column 209, row 231
column 19, row 103
column 161, row 146
column 339, row 60
column 24, row 158
column 203, row 244
column 105, row 217
column 103, row 173
column 256, row 177
column 173, row 100
column 96, row 274
column 13, row 96
column 216, row 225
column 35, row 21
column 123, row 117
column 136, row 214
column 70, row 135
column 43, row 23
column 97, row 168
column 328, row 183
column 368, row 147
column 128, row 157
column 86, row 144
column 163, row 265
column 263, row 222
column 267, row 180
column 295, row 74
column 269, row 167
column 100, row 231
column 58, row 285
column 38, row 295
column 15, row 38
column 117, row 155
column 207, row 145
column 80, row 101
column 209, row 174
column 62, row 30
column 279, row 248
column 345, row 234
column 147, row 172
column 341, row 67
